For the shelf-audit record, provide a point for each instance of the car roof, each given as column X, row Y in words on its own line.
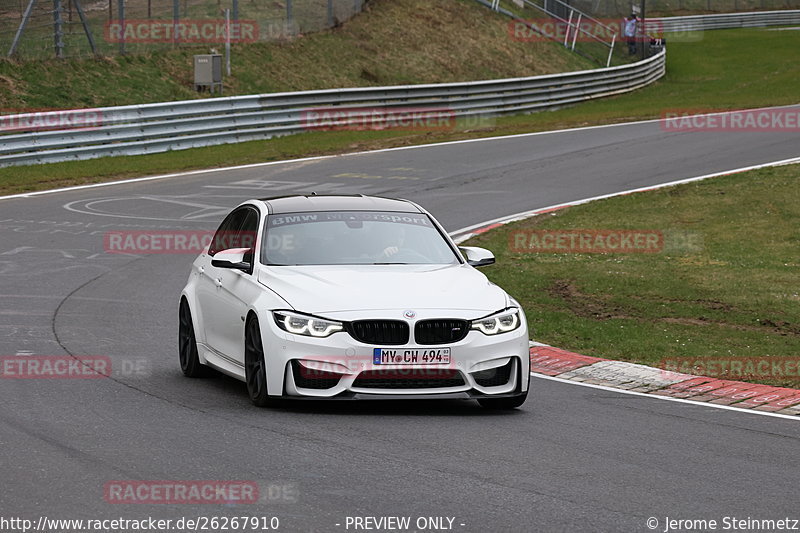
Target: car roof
column 337, row 202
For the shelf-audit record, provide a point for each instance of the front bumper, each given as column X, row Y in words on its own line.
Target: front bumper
column 341, row 367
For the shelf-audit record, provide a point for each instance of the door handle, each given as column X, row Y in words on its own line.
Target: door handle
column 218, row 282
column 202, row 269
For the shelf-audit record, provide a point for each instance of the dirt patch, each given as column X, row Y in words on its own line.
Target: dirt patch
column 714, row 305
column 585, row 305
column 597, row 307
column 780, row 326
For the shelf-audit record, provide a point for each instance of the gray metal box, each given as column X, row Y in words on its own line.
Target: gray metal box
column 208, row 71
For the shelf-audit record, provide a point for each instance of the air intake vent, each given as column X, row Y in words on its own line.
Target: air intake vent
column 381, row 332
column 494, row 377
column 312, row 378
column 409, row 378
column 440, row 331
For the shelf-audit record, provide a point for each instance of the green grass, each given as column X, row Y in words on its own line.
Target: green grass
column 728, row 69
column 725, row 285
column 393, row 42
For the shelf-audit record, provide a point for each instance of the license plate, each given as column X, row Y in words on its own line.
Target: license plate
column 414, row 356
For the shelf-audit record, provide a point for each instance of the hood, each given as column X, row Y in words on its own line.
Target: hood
column 321, row 289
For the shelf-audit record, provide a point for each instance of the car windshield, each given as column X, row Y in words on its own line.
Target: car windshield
column 353, row 238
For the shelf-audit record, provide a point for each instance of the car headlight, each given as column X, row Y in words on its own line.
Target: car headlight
column 502, row 322
column 311, row 326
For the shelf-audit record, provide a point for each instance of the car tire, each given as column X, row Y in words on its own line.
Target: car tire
column 187, row 344
column 255, row 369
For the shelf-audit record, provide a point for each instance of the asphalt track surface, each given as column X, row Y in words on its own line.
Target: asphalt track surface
column 572, row 459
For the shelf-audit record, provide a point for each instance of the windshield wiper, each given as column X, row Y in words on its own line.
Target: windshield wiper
column 391, row 263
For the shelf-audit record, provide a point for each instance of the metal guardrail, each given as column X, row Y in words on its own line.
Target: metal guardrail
column 726, row 21
column 153, row 128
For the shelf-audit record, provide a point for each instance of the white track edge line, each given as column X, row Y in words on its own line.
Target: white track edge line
column 657, row 397
column 397, row 148
column 534, row 212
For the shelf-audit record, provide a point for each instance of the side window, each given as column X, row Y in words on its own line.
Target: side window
column 224, row 236
column 247, row 234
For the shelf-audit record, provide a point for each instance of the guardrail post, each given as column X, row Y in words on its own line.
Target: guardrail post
column 58, row 29
column 24, row 22
column 569, row 27
column 577, row 29
column 121, row 17
column 227, row 43
column 645, row 37
column 85, row 24
column 176, row 16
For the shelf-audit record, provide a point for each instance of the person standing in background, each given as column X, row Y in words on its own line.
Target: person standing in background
column 629, row 30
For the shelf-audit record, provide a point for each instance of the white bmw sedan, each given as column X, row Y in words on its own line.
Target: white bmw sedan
column 350, row 297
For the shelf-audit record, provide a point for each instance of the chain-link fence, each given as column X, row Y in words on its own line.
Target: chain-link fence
column 621, row 8
column 601, row 30
column 599, row 40
column 37, row 29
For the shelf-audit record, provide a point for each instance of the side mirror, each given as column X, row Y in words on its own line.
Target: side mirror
column 477, row 257
column 233, row 259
